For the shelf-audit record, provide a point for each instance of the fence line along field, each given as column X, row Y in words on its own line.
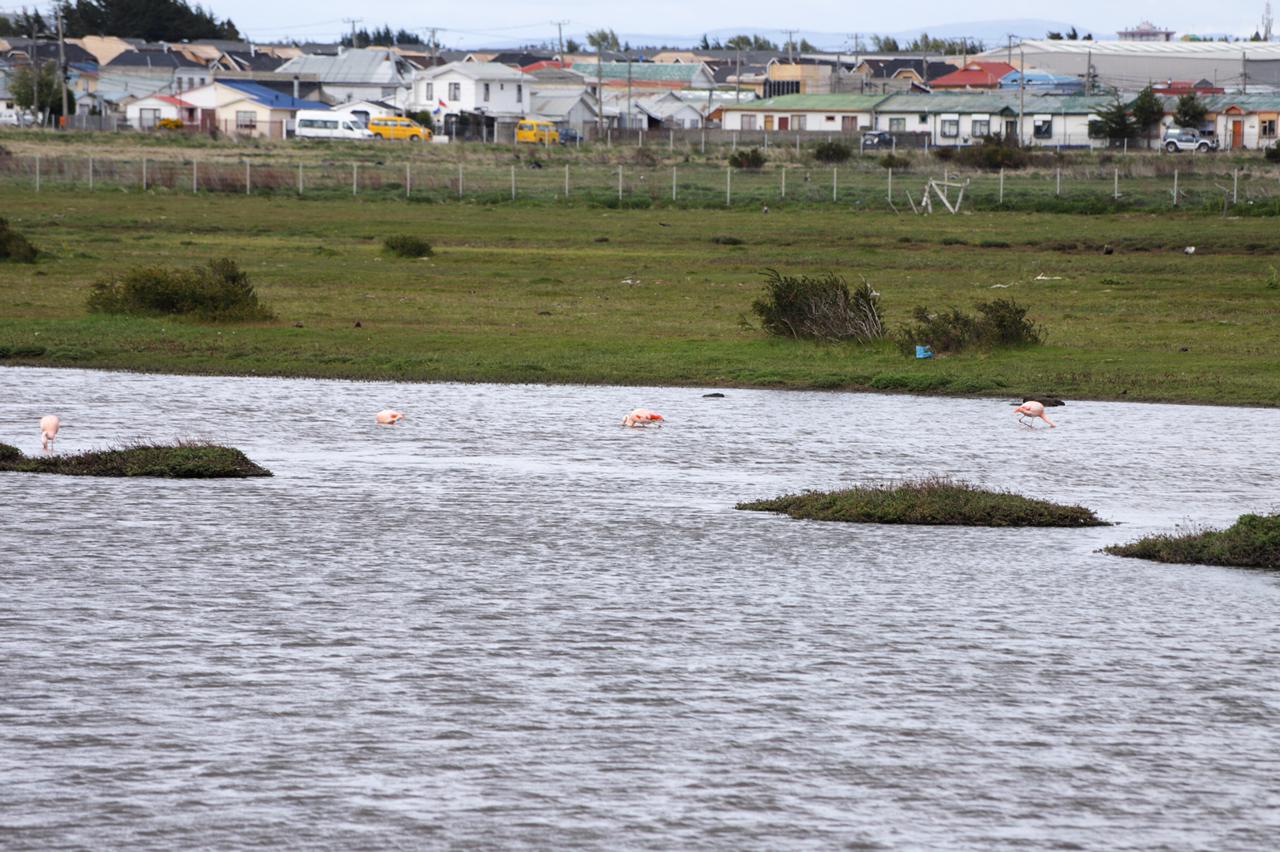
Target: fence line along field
column 661, row 296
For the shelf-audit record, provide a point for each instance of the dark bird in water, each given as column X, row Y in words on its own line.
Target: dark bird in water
column 716, row 395
column 1046, row 401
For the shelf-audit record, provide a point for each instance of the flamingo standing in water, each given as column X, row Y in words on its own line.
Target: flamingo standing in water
column 389, row 417
column 49, row 426
column 642, row 417
column 1033, row 408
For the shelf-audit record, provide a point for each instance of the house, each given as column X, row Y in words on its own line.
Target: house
column 356, row 73
column 362, row 111
column 899, row 73
column 975, row 75
column 812, row 113
column 572, row 110
column 1238, row 121
column 487, row 90
column 1043, row 82
column 647, row 76
column 244, row 108
column 669, row 110
column 955, row 119
column 147, row 113
column 143, row 72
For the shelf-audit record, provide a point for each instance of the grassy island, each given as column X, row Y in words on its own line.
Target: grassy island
column 171, row 461
column 1253, row 541
column 934, row 501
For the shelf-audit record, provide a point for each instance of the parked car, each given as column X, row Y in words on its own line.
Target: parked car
column 537, row 132
column 569, row 136
column 1187, row 139
column 877, row 139
column 322, row 124
column 395, row 127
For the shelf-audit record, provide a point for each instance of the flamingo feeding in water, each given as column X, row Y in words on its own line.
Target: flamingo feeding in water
column 642, row 417
column 1033, row 408
column 389, row 417
column 49, row 426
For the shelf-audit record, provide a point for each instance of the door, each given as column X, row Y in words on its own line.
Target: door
column 768, row 122
column 1010, row 128
column 848, row 123
column 784, row 123
column 1237, row 134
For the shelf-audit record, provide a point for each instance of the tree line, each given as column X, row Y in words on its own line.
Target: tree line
column 153, row 20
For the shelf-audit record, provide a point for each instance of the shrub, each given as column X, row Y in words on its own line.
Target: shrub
column 170, row 124
column 894, row 161
column 993, row 155
column 1000, row 323
column 727, row 241
column 1272, row 154
column 832, row 152
column 1252, row 542
column 14, row 246
column 405, row 245
column 183, row 460
column 217, row 291
column 931, row 500
column 747, row 158
column 946, row 154
column 819, row 308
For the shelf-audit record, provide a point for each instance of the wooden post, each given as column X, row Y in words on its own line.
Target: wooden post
column 735, row 141
column 619, row 183
column 671, row 140
column 37, row 172
column 566, row 181
column 889, row 195
column 1057, row 190
column 1235, row 185
column 1175, row 187
column 835, row 184
column 1001, row 186
column 195, row 177
column 355, row 178
column 1116, row 185
column 513, row 183
column 673, row 183
column 728, row 185
column 91, row 174
column 704, row 141
column 459, row 178
column 144, row 174
column 608, row 137
column 784, row 182
column 300, row 184
column 408, row 180
column 248, row 178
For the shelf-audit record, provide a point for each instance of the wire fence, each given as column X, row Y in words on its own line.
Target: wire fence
column 1187, row 182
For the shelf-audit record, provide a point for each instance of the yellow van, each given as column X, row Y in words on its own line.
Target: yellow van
column 394, row 127
column 537, row 132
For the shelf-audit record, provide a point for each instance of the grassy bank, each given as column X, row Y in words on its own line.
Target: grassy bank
column 579, row 294
column 935, row 502
column 173, row 461
column 1253, row 541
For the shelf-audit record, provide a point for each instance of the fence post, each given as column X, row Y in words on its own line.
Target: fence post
column 459, row 178
column 513, row 183
column 144, row 174
column 355, row 178
column 834, row 184
column 640, row 139
column 91, row 174
column 608, row 137
column 889, row 194
column 673, row 183
column 671, row 140
column 566, row 181
column 1235, row 185
column 728, row 186
column 797, row 142
column 1116, row 186
column 37, row 172
column 1175, row 187
column 300, row 184
column 1057, row 190
column 704, row 141
column 619, row 183
column 248, row 178
column 784, row 182
column 195, row 177
column 408, row 180
column 1126, row 146
column 735, row 141
column 1001, row 201
column 766, row 141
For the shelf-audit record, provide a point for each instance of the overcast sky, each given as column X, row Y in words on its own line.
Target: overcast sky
column 470, row 25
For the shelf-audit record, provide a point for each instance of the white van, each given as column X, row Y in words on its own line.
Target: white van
column 323, row 124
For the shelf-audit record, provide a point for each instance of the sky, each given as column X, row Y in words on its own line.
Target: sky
column 515, row 21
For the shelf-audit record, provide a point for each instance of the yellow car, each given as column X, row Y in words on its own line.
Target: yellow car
column 537, row 132
column 394, row 127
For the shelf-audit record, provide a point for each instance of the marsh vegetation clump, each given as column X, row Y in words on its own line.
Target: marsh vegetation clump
column 407, row 245
column 217, row 291
column 182, row 460
column 747, row 158
column 999, row 323
column 832, row 152
column 1253, row 541
column 937, row 501
column 14, row 246
column 819, row 308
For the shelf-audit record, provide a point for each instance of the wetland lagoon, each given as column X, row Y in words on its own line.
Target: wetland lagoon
column 510, row 622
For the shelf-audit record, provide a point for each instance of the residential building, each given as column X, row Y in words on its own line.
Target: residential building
column 974, row 75
column 1146, row 31
column 356, row 73
column 487, row 90
column 811, row 113
column 147, row 113
column 648, row 76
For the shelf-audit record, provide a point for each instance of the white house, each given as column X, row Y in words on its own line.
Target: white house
column 355, row 73
column 488, row 89
column 575, row 110
column 147, row 113
column 811, row 113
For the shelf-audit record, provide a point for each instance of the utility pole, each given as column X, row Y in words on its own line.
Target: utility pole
column 1009, row 58
column 737, row 78
column 628, row 92
column 62, row 64
column 1088, row 73
column 1022, row 90
column 353, row 22
column 791, row 43
column 1244, row 73
column 599, row 89
column 435, row 47
column 560, row 37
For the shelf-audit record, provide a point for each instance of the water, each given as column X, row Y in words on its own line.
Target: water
column 513, row 623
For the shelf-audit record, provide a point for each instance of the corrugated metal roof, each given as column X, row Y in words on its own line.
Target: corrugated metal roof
column 1220, row 103
column 358, row 65
column 648, row 71
column 1187, row 49
column 813, row 103
column 992, row 102
column 269, row 97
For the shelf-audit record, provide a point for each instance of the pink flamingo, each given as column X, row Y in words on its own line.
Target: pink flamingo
column 389, row 417
column 1032, row 408
column 643, row 417
column 49, row 426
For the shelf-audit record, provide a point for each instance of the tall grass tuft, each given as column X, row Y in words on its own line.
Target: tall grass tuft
column 1002, row 322
column 1253, row 541
column 217, row 291
column 406, row 245
column 821, row 308
column 935, row 501
column 14, row 246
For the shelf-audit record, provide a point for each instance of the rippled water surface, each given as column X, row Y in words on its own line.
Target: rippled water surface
column 511, row 622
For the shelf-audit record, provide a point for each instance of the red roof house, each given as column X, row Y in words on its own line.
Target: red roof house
column 975, row 75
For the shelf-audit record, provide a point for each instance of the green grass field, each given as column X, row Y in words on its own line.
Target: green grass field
column 553, row 293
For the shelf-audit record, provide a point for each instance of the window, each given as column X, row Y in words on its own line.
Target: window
column 981, row 128
column 429, row 92
column 246, row 119
column 898, row 125
column 455, row 91
column 748, row 122
column 924, row 118
column 1267, row 127
column 486, row 92
column 797, row 122
column 950, row 128
column 148, row 118
column 831, row 118
column 1043, row 128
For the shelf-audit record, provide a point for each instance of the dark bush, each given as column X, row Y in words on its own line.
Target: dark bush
column 1272, row 154
column 183, row 460
column 9, row 454
column 727, row 241
column 993, row 154
column 1252, row 542
column 218, row 291
column 832, row 152
column 747, row 158
column 405, row 245
column 1000, row 323
column 894, row 161
column 946, row 154
column 820, row 308
column 14, row 246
